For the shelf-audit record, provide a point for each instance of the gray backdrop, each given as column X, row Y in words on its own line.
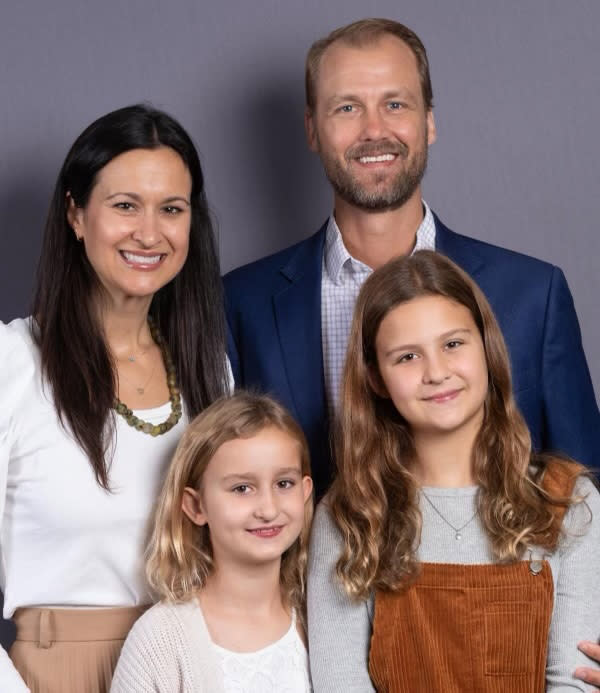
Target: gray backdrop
column 517, row 103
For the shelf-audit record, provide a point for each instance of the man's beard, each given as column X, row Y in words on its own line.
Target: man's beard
column 371, row 197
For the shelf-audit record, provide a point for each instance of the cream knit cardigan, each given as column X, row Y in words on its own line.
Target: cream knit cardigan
column 169, row 650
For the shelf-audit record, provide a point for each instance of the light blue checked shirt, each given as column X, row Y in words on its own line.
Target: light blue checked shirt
column 342, row 277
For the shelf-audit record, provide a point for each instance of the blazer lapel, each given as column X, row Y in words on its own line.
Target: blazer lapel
column 459, row 249
column 297, row 308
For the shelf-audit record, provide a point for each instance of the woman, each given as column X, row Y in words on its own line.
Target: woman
column 448, row 556
column 125, row 343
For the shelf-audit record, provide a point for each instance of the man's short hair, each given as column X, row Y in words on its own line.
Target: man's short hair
column 362, row 33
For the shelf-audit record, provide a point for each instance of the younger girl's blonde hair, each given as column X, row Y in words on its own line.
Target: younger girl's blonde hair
column 179, row 557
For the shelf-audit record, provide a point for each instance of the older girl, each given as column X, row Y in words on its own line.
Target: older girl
column 447, row 556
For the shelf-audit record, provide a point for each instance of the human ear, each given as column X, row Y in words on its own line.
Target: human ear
column 307, row 487
column 74, row 216
column 191, row 504
column 431, row 130
column 376, row 383
column 311, row 132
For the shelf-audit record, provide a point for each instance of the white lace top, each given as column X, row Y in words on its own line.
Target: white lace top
column 281, row 667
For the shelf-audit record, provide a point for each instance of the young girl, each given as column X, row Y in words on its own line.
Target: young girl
column 447, row 556
column 228, row 557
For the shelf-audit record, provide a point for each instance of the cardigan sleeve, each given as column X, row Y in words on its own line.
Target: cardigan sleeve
column 14, row 359
column 168, row 651
column 339, row 630
column 148, row 661
column 576, row 613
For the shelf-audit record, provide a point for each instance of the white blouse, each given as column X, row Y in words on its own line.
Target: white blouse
column 64, row 541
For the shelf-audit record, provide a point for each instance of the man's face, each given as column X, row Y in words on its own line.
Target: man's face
column 369, row 124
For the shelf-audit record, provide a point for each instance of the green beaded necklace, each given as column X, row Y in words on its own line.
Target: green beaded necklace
column 174, row 394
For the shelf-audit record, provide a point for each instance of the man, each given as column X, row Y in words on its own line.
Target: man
column 369, row 117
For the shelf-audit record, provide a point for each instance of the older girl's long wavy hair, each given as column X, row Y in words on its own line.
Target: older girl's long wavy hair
column 179, row 556
column 375, row 498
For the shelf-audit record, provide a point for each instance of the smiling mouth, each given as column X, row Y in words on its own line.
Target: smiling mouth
column 442, row 397
column 139, row 261
column 266, row 532
column 379, row 159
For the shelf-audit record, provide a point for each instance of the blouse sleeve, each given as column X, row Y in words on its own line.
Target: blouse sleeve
column 576, row 614
column 15, row 362
column 339, row 630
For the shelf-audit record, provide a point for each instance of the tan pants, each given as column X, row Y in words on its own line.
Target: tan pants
column 70, row 650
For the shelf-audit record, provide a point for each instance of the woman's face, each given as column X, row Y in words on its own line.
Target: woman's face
column 136, row 225
column 432, row 365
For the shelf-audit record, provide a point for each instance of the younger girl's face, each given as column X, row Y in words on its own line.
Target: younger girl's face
column 432, row 365
column 252, row 498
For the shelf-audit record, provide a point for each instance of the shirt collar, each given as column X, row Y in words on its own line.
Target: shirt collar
column 336, row 255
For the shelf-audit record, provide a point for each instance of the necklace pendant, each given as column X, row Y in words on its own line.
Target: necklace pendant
column 140, row 390
column 131, row 359
column 458, row 536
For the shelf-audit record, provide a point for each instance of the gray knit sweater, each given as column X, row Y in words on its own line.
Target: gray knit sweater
column 340, row 630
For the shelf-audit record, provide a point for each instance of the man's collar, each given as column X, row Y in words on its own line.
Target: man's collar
column 336, row 254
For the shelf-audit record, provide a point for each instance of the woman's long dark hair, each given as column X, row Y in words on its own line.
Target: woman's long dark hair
column 76, row 362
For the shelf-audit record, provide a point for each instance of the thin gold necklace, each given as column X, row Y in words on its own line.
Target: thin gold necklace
column 140, row 389
column 132, row 358
column 174, row 395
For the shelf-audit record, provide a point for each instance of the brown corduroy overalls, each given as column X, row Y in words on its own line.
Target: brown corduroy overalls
column 469, row 628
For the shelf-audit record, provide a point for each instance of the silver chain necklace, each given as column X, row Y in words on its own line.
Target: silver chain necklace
column 457, row 530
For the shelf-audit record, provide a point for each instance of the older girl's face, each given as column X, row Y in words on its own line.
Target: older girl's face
column 136, row 225
column 432, row 365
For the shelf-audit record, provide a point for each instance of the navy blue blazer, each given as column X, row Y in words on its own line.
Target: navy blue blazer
column 274, row 317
